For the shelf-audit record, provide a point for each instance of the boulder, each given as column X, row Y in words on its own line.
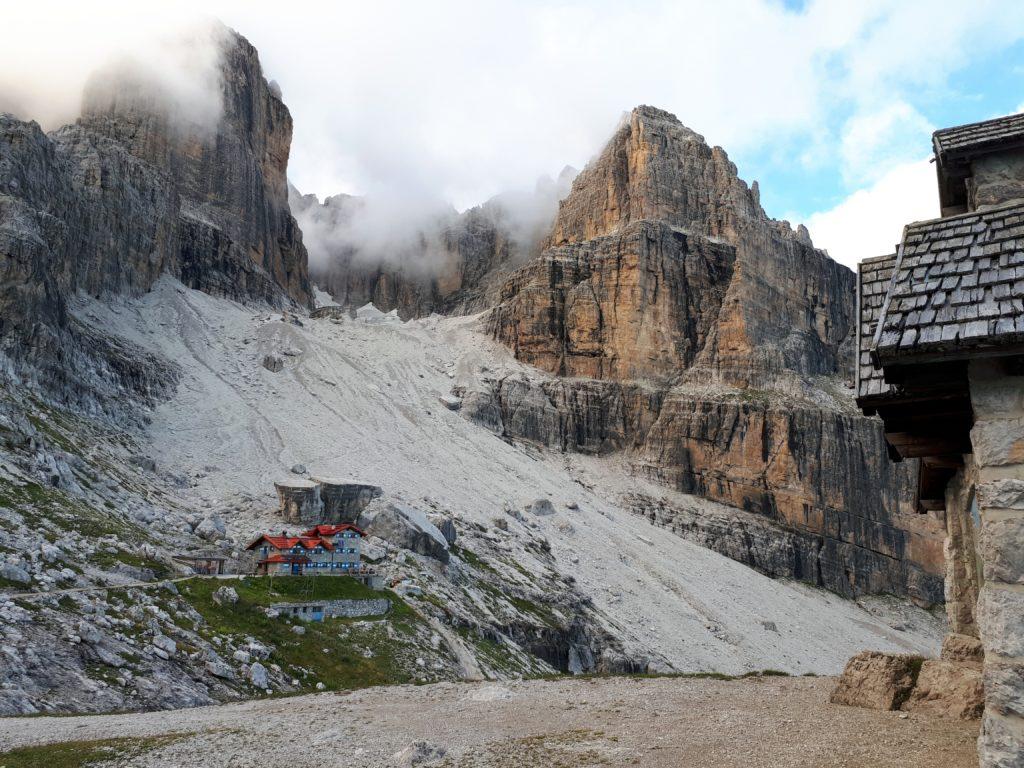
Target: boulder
column 14, row 572
column 948, row 689
column 446, row 526
column 875, row 680
column 89, row 633
column 257, row 650
column 407, row 528
column 957, row 647
column 419, row 753
column 225, row 596
column 451, row 402
column 298, row 469
column 211, row 528
column 299, row 500
column 343, row 500
column 49, row 552
column 165, row 644
column 220, row 669
column 258, row 676
column 273, row 363
column 542, row 507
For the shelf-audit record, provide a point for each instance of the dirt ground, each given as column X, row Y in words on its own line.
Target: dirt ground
column 774, row 722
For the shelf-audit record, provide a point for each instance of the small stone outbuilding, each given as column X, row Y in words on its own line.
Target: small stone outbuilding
column 940, row 351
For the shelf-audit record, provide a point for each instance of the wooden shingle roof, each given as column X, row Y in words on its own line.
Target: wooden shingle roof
column 978, row 137
column 873, row 278
column 957, row 287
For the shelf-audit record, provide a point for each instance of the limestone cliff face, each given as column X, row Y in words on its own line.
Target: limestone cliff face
column 641, row 302
column 130, row 192
column 836, row 513
column 706, row 341
column 783, row 306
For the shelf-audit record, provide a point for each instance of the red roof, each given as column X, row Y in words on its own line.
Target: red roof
column 289, row 542
column 331, row 530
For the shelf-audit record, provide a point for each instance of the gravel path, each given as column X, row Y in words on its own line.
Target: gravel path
column 698, row 723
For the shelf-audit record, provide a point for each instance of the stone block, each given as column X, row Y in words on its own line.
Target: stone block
column 1001, row 620
column 994, row 394
column 1002, row 548
column 876, row 680
column 957, row 647
column 1001, row 744
column 1002, row 494
column 998, row 442
column 948, row 689
column 1004, row 688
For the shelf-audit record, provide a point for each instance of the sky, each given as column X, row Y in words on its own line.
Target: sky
column 829, row 105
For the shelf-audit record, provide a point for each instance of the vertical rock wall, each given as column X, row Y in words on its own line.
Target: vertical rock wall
column 663, row 272
column 128, row 193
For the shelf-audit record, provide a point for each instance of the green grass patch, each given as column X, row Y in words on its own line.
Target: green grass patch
column 330, row 651
column 110, row 560
column 78, row 754
column 44, row 508
column 471, row 558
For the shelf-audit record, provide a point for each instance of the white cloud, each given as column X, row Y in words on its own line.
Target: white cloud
column 870, row 221
column 460, row 99
column 50, row 50
column 873, row 142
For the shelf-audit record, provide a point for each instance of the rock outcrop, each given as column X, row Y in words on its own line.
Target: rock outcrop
column 451, row 266
column 837, row 513
column 876, row 680
column 132, row 191
column 709, row 342
column 639, row 303
column 888, row 681
column 781, row 306
column 406, row 528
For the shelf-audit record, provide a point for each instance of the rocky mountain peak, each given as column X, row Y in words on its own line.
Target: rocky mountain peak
column 156, row 177
column 655, row 168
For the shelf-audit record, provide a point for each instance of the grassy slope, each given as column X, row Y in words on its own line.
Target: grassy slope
column 79, row 754
column 336, row 652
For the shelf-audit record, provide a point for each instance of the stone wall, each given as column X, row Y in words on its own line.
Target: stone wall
column 997, row 395
column 995, row 179
column 353, row 609
column 962, row 567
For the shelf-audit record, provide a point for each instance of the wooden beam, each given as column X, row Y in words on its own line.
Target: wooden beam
column 914, row 446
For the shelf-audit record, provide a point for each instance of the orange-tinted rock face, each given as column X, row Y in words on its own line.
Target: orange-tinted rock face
column 663, row 271
column 639, row 303
column 783, row 305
